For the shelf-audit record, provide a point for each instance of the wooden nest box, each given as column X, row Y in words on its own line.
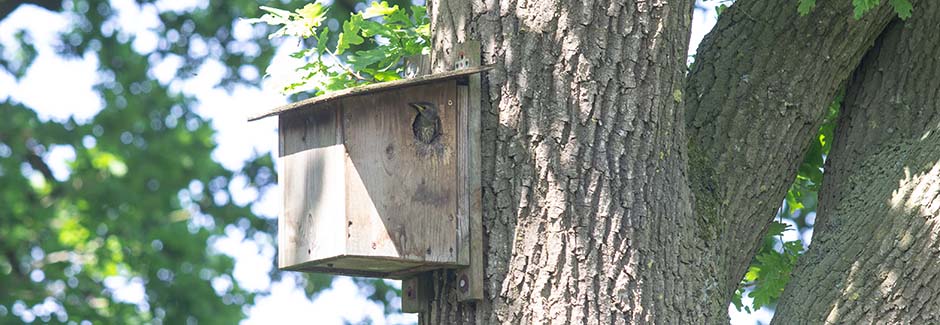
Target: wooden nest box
column 380, row 180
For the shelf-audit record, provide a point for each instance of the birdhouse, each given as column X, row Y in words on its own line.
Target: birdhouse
column 380, row 180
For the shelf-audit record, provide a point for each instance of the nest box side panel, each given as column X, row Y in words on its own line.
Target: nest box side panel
column 401, row 186
column 312, row 165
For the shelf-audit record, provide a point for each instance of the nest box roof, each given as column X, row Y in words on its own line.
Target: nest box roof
column 368, row 89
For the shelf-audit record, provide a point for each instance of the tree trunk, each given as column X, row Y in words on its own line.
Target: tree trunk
column 586, row 206
column 591, row 166
column 874, row 255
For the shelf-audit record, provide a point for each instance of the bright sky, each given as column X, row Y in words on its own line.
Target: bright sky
column 237, row 141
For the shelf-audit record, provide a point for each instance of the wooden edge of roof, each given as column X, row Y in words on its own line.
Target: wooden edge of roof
column 360, row 90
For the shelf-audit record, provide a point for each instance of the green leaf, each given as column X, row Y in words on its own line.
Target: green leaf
column 420, row 13
column 322, row 39
column 363, row 59
column 275, row 11
column 805, row 6
column 301, row 53
column 772, row 278
column 864, row 6
column 718, row 10
column 793, row 200
column 752, row 274
column 350, row 34
column 378, row 9
column 312, row 14
column 413, row 46
column 792, row 249
column 386, row 76
column 424, row 30
column 776, row 228
column 736, row 299
column 371, row 28
column 904, row 8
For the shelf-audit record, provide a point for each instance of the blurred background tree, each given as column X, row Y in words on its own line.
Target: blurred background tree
column 142, row 199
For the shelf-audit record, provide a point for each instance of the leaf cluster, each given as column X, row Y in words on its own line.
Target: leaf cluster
column 369, row 48
column 769, row 273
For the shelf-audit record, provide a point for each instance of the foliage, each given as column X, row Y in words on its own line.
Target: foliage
column 142, row 198
column 810, row 175
column 379, row 37
column 769, row 272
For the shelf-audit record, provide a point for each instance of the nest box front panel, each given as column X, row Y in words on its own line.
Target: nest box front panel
column 401, row 179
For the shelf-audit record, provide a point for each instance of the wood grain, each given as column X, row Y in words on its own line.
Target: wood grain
column 402, row 192
column 311, row 169
column 472, row 276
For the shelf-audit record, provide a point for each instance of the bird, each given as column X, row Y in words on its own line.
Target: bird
column 427, row 124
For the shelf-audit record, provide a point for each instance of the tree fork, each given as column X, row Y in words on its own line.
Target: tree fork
column 757, row 94
column 874, row 251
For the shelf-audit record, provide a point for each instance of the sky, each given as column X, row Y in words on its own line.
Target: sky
column 237, row 141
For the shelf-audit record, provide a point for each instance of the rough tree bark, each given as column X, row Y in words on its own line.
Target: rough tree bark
column 874, row 256
column 614, row 192
column 584, row 188
column 759, row 90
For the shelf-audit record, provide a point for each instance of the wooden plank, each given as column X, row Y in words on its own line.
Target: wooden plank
column 470, row 279
column 311, row 165
column 417, row 65
column 300, row 131
column 369, row 266
column 415, row 294
column 463, row 189
column 401, row 191
column 366, row 89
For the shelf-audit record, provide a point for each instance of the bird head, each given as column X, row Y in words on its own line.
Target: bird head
column 422, row 107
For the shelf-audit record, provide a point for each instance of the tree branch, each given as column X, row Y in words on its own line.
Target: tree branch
column 756, row 96
column 36, row 162
column 878, row 215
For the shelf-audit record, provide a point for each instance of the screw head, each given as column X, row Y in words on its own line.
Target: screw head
column 464, row 283
column 450, row 102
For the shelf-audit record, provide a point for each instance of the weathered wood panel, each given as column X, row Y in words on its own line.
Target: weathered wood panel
column 463, row 202
column 402, row 195
column 301, row 131
column 415, row 293
column 470, row 279
column 311, row 170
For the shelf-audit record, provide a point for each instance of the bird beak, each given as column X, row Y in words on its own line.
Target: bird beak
column 417, row 107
